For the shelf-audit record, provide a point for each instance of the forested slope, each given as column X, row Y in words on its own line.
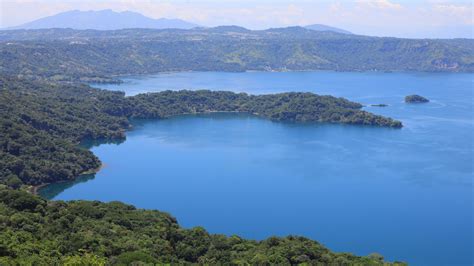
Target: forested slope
column 88, row 55
column 38, row 232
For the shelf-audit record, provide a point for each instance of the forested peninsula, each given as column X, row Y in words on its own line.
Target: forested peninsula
column 42, row 122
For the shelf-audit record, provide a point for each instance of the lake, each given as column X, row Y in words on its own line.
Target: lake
column 404, row 193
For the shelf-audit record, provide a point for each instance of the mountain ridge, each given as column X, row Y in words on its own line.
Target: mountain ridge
column 106, row 19
column 322, row 27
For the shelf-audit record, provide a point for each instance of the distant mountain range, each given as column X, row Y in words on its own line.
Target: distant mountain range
column 111, row 20
column 321, row 27
column 104, row 20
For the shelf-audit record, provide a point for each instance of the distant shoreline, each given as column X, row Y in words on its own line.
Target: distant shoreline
column 118, row 79
column 35, row 189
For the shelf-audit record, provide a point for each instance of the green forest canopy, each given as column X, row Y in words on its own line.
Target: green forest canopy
column 38, row 232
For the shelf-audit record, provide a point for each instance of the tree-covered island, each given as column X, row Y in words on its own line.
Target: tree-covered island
column 415, row 99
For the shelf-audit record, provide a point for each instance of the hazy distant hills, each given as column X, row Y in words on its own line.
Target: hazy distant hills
column 104, row 20
column 111, row 20
column 321, row 27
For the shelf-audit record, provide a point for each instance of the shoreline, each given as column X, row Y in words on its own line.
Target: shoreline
column 34, row 189
column 118, row 79
column 132, row 75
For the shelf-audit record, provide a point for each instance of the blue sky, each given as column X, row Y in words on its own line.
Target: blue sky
column 413, row 19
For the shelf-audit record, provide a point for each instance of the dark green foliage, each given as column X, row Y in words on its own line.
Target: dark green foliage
column 34, row 157
column 88, row 55
column 20, row 200
column 293, row 106
column 72, row 112
column 415, row 99
column 33, row 230
column 41, row 124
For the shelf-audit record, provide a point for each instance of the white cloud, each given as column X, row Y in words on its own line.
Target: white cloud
column 457, row 11
column 379, row 4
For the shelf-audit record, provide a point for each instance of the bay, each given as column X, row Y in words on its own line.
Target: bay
column 405, row 193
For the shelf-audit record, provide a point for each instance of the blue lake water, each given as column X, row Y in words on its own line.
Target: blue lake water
column 405, row 193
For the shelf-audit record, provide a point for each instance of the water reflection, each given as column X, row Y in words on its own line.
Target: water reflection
column 91, row 143
column 52, row 190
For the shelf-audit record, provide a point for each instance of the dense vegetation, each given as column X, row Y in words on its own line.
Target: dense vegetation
column 40, row 126
column 293, row 106
column 88, row 55
column 41, row 123
column 37, row 232
column 415, row 99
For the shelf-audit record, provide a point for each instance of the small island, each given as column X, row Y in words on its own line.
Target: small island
column 415, row 99
column 379, row 105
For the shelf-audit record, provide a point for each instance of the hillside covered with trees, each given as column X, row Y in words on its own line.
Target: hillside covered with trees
column 89, row 55
column 37, row 232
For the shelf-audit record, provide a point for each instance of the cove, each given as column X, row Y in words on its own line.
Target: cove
column 405, row 193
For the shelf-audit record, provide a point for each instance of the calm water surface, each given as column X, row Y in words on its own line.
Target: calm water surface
column 405, row 193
